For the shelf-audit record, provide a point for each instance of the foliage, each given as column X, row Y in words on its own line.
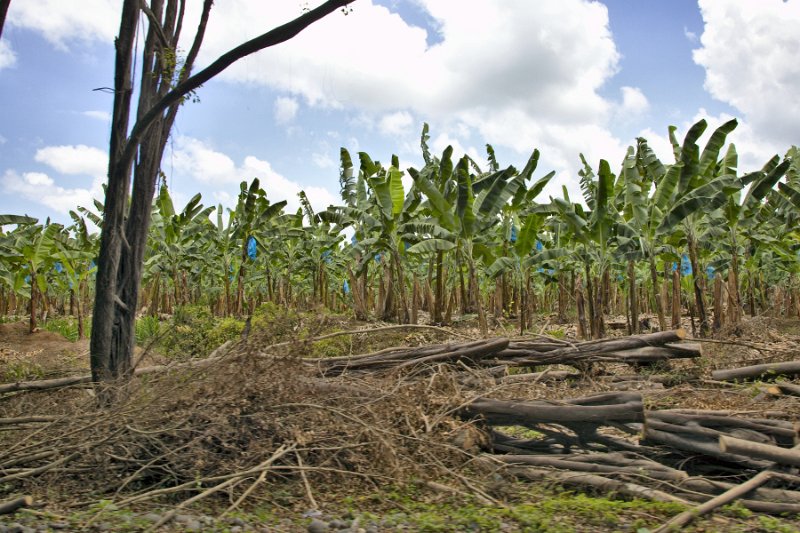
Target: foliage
column 194, row 332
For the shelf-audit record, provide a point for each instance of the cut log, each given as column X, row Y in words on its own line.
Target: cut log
column 759, row 451
column 593, row 463
column 769, row 430
column 621, row 407
column 588, row 351
column 787, row 388
column 725, row 498
column 766, row 371
column 713, row 487
column 404, row 357
column 16, row 504
column 593, row 481
column 698, row 444
column 652, row 354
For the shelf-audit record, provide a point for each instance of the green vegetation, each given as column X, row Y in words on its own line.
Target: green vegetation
column 659, row 237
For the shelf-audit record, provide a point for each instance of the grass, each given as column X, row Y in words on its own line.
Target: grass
column 67, row 327
column 410, row 508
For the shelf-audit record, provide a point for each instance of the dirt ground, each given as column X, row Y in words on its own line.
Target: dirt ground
column 25, row 355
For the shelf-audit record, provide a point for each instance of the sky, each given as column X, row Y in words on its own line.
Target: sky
column 562, row 76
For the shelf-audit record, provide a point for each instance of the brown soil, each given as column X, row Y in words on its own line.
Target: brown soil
column 39, row 354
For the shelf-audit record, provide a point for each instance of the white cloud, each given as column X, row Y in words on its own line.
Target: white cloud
column 396, row 124
column 80, row 159
column 41, row 188
column 633, row 101
column 103, row 116
column 504, row 68
column 285, row 109
column 60, row 22
column 194, row 160
column 690, row 35
column 750, row 50
column 323, row 160
column 7, row 56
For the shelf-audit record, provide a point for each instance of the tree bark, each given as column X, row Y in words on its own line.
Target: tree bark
column 633, row 299
column 698, row 289
column 3, row 10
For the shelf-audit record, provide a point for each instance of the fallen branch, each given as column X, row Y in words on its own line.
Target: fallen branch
column 600, row 483
column 684, row 518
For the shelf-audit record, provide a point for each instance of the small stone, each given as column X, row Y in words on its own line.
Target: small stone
column 183, row 518
column 194, row 525
column 237, row 522
column 236, row 529
column 59, row 525
column 152, row 517
column 317, row 526
column 338, row 524
column 372, row 528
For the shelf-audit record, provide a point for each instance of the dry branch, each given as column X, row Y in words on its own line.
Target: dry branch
column 725, row 498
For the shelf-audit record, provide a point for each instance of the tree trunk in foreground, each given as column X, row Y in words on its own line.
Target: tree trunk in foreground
column 122, row 241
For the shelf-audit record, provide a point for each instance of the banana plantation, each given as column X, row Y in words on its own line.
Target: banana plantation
column 691, row 236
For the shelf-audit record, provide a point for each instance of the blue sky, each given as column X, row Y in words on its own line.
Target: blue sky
column 563, row 76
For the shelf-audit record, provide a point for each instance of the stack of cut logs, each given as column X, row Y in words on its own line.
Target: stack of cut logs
column 609, row 442
column 504, row 353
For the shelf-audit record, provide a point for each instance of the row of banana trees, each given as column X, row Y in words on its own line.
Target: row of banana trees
column 692, row 234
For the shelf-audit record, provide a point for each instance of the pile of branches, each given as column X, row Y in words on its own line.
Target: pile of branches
column 240, row 423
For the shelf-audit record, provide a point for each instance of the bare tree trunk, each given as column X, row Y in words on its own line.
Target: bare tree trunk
column 676, row 298
column 662, row 321
column 718, row 320
column 579, row 301
column 119, row 262
column 563, row 298
column 3, row 10
column 438, row 303
column 698, row 289
column 33, row 303
column 106, row 365
column 633, row 299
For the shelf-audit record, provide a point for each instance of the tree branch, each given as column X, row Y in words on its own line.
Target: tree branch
column 271, row 38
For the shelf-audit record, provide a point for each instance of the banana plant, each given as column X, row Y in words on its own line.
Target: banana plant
column 12, row 277
column 30, row 251
column 392, row 209
column 253, row 214
column 700, row 187
column 174, row 240
column 76, row 254
column 591, row 234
